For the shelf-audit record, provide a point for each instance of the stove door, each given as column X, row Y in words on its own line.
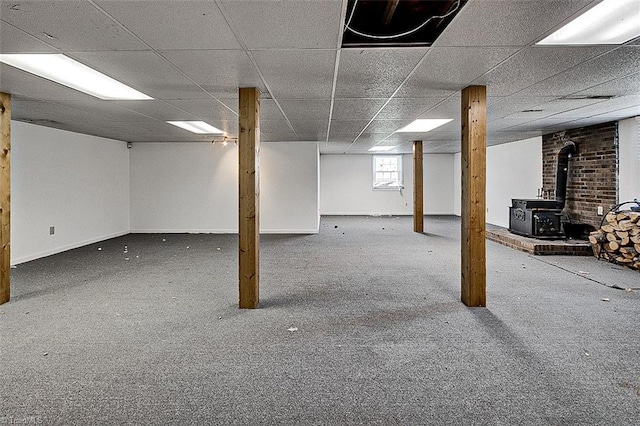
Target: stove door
column 520, row 221
column 547, row 224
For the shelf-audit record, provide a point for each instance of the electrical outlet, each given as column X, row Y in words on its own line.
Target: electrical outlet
column 52, row 230
column 600, row 211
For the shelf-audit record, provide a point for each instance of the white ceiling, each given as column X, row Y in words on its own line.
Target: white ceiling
column 191, row 57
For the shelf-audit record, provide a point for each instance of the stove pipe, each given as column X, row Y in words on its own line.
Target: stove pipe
column 565, row 153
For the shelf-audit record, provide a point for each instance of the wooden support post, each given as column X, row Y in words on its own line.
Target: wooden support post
column 474, row 148
column 418, row 193
column 5, row 197
column 249, row 196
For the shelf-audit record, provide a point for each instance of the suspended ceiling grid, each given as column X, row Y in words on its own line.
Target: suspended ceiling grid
column 191, row 56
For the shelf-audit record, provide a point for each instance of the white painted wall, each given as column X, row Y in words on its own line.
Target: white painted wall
column 346, row 186
column 289, row 178
column 180, row 187
column 514, row 170
column 77, row 183
column 629, row 159
column 506, row 178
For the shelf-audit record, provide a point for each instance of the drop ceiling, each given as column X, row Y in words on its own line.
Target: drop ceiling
column 191, row 57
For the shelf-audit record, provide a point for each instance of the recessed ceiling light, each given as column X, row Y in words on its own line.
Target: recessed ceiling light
column 70, row 73
column 381, row 148
column 199, row 127
column 609, row 22
column 422, row 125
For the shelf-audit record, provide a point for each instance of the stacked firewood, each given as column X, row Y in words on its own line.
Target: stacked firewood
column 618, row 239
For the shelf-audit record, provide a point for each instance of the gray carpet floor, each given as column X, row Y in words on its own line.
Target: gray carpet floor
column 360, row 324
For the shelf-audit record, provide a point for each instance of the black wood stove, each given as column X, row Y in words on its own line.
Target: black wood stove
column 543, row 218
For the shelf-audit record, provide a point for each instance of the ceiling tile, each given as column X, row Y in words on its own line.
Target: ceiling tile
column 297, row 74
column 398, row 108
column 353, row 127
column 268, row 108
column 279, row 137
column 50, row 111
column 312, row 137
column 623, row 113
column 627, row 85
column 374, row 73
column 274, row 126
column 616, row 64
column 602, row 107
column 70, row 25
column 348, row 138
column 155, row 109
column 139, row 128
column 357, row 109
column 448, row 108
column 514, row 104
column 207, row 110
column 533, row 65
column 552, row 107
column 525, row 124
column 306, row 109
column 452, row 69
column 15, row 41
column 219, row 72
column 497, row 138
column 507, row 23
column 310, row 127
column 308, row 24
column 334, row 148
column 175, row 25
column 144, row 71
column 386, row 126
column 107, row 109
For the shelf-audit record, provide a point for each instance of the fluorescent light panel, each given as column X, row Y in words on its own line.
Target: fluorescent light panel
column 422, row 125
column 609, row 22
column 381, row 148
column 73, row 74
column 199, row 127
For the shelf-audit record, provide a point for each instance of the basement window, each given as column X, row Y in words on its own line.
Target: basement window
column 387, row 172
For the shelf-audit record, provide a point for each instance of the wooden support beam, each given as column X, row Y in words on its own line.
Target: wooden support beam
column 474, row 149
column 5, row 197
column 418, row 192
column 249, row 196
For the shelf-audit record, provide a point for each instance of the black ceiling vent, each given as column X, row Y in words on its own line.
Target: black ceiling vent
column 397, row 23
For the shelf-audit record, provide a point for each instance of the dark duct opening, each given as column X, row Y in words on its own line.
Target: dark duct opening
column 397, row 23
column 562, row 171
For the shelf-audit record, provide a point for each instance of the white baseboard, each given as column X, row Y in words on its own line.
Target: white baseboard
column 61, row 249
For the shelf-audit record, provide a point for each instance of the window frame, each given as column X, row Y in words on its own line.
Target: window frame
column 377, row 185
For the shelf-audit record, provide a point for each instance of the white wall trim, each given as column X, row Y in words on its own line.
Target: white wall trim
column 290, row 231
column 57, row 250
column 184, row 231
column 222, row 231
column 367, row 214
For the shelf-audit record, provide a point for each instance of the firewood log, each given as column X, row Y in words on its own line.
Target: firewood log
column 612, row 246
column 622, row 216
column 625, row 225
column 607, row 228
